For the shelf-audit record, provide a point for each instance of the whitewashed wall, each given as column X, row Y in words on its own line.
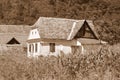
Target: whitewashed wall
column 44, row 50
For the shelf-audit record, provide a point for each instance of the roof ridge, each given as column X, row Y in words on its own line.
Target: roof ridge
column 57, row 19
column 12, row 25
column 74, row 24
column 62, row 18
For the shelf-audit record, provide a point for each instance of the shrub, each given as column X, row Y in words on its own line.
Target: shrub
column 101, row 65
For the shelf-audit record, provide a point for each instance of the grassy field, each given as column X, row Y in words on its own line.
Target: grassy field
column 99, row 65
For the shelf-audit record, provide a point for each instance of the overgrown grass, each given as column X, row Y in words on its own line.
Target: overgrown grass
column 100, row 65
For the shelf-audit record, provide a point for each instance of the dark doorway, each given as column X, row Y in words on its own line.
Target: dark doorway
column 13, row 41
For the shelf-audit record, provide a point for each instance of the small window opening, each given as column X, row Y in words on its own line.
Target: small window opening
column 52, row 47
column 13, row 41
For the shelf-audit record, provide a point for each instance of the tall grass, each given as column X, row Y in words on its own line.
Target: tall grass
column 101, row 65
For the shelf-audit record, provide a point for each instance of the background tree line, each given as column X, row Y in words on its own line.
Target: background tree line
column 104, row 13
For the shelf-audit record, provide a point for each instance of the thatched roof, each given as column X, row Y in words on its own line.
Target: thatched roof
column 59, row 28
column 19, row 32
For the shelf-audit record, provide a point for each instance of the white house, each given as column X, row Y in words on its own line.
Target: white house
column 50, row 36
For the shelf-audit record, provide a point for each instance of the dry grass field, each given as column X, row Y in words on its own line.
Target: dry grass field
column 99, row 65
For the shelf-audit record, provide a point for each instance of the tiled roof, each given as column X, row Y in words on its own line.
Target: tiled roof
column 60, row 28
column 57, row 28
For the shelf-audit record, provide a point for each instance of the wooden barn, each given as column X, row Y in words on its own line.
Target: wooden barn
column 50, row 36
column 13, row 36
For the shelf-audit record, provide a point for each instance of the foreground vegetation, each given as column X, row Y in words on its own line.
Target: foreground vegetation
column 99, row 65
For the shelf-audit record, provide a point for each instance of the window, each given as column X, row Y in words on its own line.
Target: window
column 36, row 47
column 32, row 32
column 52, row 47
column 35, row 32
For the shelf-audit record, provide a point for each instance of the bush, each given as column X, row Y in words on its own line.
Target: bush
column 102, row 65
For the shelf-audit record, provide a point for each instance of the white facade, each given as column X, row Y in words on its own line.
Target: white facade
column 37, row 48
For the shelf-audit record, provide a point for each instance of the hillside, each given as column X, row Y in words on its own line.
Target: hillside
column 104, row 13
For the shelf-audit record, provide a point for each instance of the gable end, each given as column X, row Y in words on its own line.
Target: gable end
column 86, row 31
